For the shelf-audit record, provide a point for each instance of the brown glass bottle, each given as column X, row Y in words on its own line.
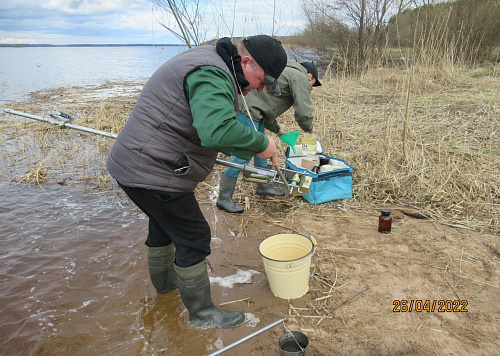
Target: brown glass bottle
column 385, row 221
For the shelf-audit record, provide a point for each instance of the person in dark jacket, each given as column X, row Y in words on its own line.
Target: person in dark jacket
column 184, row 116
column 260, row 110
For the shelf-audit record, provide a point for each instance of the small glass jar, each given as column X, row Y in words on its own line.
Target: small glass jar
column 310, row 144
column 385, row 221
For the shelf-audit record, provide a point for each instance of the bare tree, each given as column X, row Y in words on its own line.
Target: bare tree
column 324, row 29
column 366, row 19
column 369, row 17
column 279, row 9
column 194, row 19
column 418, row 3
column 461, row 30
column 188, row 15
column 229, row 27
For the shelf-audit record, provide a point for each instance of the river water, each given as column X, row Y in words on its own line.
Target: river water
column 24, row 70
column 73, row 272
column 73, row 280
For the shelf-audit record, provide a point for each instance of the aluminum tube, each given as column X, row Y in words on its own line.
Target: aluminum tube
column 224, row 349
column 247, row 168
column 61, row 123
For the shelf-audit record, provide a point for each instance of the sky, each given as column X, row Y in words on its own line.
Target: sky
column 62, row 22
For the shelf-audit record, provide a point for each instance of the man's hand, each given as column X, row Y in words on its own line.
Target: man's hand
column 270, row 152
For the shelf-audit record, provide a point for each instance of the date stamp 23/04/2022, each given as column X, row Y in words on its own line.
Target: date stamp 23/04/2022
column 430, row 306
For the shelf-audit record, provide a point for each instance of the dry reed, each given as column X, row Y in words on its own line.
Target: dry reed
column 422, row 138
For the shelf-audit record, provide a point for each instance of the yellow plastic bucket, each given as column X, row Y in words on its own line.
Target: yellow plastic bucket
column 287, row 260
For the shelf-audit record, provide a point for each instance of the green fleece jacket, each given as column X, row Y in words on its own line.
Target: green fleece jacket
column 295, row 91
column 214, row 116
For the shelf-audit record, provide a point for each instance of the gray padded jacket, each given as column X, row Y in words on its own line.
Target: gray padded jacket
column 159, row 136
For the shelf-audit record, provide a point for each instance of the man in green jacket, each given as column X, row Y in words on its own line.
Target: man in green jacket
column 261, row 111
column 184, row 116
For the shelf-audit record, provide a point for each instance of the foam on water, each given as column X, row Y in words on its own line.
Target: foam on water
column 241, row 277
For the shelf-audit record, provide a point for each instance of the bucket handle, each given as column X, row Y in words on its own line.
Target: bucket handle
column 315, row 244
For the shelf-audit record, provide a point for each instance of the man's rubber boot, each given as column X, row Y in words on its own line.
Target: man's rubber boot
column 225, row 200
column 194, row 286
column 161, row 267
column 268, row 189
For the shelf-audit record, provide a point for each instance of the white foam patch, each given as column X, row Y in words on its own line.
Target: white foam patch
column 218, row 344
column 251, row 320
column 216, row 241
column 241, row 277
column 84, row 305
column 213, row 195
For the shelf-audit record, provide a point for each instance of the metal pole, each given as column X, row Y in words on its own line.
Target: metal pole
column 64, row 124
column 224, row 349
column 246, row 168
column 60, row 123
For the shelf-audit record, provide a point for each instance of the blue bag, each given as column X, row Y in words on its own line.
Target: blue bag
column 332, row 185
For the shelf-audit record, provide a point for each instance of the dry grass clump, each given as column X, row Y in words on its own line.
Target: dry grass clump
column 107, row 116
column 35, row 176
column 426, row 139
column 69, row 157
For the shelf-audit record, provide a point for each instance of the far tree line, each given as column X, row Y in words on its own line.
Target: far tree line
column 360, row 33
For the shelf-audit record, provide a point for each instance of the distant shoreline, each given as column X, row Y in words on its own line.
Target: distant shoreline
column 89, row 45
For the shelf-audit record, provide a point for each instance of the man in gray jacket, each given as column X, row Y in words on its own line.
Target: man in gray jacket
column 261, row 111
column 185, row 114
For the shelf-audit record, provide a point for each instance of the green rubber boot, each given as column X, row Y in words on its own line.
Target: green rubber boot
column 161, row 267
column 268, row 189
column 225, row 200
column 194, row 286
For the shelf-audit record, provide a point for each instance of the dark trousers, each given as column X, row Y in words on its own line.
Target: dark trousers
column 174, row 218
